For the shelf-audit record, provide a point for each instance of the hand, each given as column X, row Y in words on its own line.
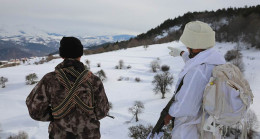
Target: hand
column 167, row 119
column 175, row 51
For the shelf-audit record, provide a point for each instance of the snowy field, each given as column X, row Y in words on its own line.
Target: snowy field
column 14, row 116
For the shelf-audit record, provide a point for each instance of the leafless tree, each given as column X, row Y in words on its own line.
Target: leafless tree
column 161, row 83
column 136, row 109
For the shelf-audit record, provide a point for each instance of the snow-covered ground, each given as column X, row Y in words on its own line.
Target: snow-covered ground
column 14, row 116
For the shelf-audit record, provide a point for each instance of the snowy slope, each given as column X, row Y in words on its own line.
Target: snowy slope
column 14, row 115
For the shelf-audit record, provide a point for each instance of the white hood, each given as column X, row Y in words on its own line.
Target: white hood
column 209, row 56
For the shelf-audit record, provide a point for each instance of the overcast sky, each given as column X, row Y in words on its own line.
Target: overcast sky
column 103, row 17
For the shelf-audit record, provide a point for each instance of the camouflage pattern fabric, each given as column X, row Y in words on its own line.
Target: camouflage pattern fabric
column 78, row 124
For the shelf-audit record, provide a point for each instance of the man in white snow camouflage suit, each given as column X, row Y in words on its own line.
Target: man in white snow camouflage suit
column 199, row 38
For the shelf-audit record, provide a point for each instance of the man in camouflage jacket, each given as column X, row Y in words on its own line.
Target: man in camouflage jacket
column 71, row 97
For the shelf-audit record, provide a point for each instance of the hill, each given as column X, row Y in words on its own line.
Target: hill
column 230, row 25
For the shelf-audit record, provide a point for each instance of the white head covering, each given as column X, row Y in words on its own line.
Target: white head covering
column 198, row 35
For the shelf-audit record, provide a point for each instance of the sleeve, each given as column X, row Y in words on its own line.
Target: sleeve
column 100, row 100
column 185, row 56
column 188, row 101
column 38, row 103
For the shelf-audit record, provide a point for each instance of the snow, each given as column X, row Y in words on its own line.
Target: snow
column 14, row 115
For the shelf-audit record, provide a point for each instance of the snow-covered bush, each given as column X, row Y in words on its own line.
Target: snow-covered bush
column 253, row 124
column 233, row 54
column 31, row 79
column 155, row 65
column 87, row 64
column 102, row 75
column 121, row 64
column 161, row 83
column 3, row 80
column 146, row 46
column 136, row 109
column 98, row 65
column 239, row 63
column 235, row 57
column 139, row 131
column 129, row 67
column 21, row 135
column 165, row 68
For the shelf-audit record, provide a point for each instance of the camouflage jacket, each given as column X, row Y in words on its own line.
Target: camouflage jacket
column 77, row 123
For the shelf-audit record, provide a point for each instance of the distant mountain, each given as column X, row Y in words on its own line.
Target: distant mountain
column 18, row 42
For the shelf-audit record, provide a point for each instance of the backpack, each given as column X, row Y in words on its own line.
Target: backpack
column 226, row 99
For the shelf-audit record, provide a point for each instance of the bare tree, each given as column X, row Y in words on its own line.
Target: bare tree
column 155, row 65
column 136, row 109
column 3, row 80
column 31, row 79
column 161, row 83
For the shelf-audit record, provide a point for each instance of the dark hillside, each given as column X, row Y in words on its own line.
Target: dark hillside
column 230, row 25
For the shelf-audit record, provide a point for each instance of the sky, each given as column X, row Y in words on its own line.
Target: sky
column 102, row 17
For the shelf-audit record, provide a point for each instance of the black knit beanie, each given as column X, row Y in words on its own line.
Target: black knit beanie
column 70, row 47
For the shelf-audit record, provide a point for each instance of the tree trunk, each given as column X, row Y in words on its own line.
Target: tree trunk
column 163, row 95
column 136, row 118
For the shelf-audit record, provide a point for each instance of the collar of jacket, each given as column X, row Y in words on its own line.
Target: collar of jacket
column 69, row 62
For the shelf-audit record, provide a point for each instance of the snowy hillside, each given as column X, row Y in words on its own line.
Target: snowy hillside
column 14, row 116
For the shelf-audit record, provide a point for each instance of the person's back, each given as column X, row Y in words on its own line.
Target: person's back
column 71, row 97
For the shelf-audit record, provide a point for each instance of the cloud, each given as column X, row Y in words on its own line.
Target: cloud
column 102, row 17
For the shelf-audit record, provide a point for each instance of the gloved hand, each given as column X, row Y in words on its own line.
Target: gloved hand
column 175, row 51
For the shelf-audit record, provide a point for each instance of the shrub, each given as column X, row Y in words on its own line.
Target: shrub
column 139, row 131
column 165, row 68
column 137, row 79
column 136, row 109
column 129, row 67
column 155, row 65
column 3, row 80
column 116, row 67
column 161, row 83
column 30, row 79
column 120, row 78
column 98, row 65
column 21, row 135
